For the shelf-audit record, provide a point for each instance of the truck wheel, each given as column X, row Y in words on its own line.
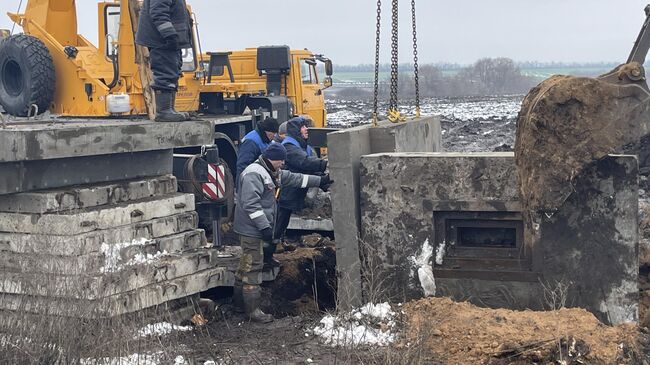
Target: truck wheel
column 26, row 75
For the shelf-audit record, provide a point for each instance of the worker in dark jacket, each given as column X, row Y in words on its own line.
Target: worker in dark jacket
column 254, row 144
column 255, row 211
column 165, row 29
column 300, row 159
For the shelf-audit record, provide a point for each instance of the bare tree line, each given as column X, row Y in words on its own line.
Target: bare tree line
column 487, row 76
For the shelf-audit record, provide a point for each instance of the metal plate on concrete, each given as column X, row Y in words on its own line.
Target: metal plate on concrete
column 18, row 177
column 87, row 196
column 307, row 224
column 90, row 243
column 61, row 139
column 97, row 218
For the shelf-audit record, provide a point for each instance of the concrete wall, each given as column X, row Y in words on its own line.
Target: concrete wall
column 400, row 193
column 591, row 243
column 587, row 252
column 345, row 150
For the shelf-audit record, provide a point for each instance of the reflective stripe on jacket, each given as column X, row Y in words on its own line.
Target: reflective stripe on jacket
column 255, row 207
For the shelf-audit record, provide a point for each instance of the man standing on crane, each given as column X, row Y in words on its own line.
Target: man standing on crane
column 165, row 29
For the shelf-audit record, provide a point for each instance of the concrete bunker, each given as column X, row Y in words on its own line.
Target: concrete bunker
column 451, row 224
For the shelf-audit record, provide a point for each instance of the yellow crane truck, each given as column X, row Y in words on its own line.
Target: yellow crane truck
column 51, row 67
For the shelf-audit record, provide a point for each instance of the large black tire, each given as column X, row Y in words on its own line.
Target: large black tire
column 26, row 75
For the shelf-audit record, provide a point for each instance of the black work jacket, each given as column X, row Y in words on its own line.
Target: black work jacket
column 298, row 161
column 158, row 14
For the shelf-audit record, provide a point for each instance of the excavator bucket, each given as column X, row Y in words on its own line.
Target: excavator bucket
column 567, row 123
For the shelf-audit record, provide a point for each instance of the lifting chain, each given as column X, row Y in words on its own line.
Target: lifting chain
column 415, row 61
column 394, row 114
column 377, row 42
column 393, row 111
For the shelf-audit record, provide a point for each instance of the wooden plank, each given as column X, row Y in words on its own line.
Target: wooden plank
column 142, row 60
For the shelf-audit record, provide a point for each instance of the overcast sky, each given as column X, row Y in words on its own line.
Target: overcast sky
column 459, row 31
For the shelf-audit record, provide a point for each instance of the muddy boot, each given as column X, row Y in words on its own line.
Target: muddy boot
column 237, row 297
column 269, row 249
column 164, row 111
column 252, row 295
column 186, row 115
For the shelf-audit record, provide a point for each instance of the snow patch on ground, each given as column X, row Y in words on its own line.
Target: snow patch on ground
column 113, row 255
column 371, row 324
column 346, row 113
column 134, row 359
column 161, row 329
column 421, row 265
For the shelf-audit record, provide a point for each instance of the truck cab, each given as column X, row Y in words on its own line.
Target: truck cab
column 302, row 82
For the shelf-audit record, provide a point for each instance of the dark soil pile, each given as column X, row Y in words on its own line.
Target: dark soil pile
column 565, row 124
column 306, row 283
column 465, row 334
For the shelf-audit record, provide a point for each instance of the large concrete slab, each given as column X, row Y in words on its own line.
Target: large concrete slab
column 92, row 242
column 345, row 149
column 23, row 176
column 122, row 303
column 87, row 196
column 108, row 256
column 31, row 141
column 118, row 277
column 71, row 223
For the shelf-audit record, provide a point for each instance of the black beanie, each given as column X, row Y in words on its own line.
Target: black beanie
column 275, row 152
column 269, row 125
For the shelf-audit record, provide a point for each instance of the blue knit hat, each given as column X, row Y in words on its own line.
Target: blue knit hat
column 275, row 152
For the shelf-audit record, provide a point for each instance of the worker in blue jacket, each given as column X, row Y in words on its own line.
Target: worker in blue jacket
column 254, row 144
column 300, row 159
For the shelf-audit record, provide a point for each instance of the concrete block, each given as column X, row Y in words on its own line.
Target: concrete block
column 117, row 277
column 98, row 218
column 91, row 242
column 122, row 303
column 345, row 149
column 400, row 195
column 53, row 140
column 108, row 255
column 590, row 244
column 88, row 196
column 26, row 176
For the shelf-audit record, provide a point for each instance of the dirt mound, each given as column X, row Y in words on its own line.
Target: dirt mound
column 565, row 124
column 306, row 282
column 466, row 334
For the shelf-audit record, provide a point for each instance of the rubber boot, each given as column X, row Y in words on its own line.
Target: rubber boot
column 252, row 295
column 269, row 249
column 237, row 296
column 186, row 115
column 164, row 111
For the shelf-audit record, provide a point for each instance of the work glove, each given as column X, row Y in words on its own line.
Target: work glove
column 323, row 165
column 267, row 234
column 325, row 182
column 171, row 42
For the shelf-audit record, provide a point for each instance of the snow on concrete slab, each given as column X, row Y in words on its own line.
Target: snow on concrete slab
column 113, row 255
column 161, row 329
column 372, row 324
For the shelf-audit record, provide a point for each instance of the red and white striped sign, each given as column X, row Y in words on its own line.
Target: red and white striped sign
column 215, row 188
